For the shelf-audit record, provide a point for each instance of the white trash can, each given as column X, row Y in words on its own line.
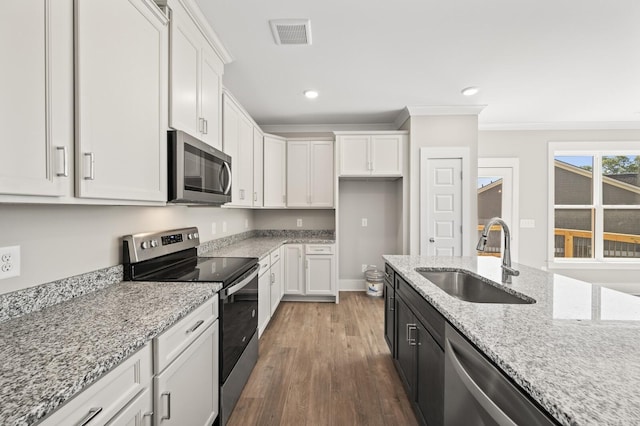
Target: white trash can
column 375, row 282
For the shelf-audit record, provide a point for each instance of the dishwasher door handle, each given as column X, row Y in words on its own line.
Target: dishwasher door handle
column 485, row 402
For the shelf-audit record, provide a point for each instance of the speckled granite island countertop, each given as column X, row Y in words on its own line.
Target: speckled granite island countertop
column 259, row 246
column 576, row 351
column 48, row 356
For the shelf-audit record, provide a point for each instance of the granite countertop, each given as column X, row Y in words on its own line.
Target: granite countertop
column 260, row 246
column 576, row 351
column 50, row 355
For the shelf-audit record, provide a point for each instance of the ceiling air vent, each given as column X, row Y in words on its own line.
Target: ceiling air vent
column 291, row 31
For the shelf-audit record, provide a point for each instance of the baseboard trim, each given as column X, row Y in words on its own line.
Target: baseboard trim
column 352, row 285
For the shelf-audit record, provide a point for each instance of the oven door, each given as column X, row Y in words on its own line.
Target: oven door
column 198, row 173
column 239, row 316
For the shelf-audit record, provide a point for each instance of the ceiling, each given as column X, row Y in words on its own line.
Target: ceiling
column 535, row 61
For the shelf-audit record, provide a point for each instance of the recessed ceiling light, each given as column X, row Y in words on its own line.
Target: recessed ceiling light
column 310, row 94
column 470, row 91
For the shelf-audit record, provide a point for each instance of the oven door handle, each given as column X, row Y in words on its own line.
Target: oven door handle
column 237, row 287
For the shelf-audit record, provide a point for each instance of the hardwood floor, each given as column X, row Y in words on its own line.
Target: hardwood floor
column 325, row 364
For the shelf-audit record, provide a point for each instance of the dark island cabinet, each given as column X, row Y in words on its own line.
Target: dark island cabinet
column 419, row 353
column 389, row 313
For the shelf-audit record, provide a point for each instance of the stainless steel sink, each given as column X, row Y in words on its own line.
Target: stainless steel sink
column 470, row 288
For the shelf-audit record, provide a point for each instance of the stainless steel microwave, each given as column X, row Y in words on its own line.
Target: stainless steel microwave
column 198, row 173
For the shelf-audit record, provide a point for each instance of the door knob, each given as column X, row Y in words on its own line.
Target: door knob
column 432, row 240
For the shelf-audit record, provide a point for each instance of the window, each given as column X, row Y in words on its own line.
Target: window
column 595, row 202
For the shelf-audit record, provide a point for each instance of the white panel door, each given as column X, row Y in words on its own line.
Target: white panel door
column 444, row 207
column 293, row 270
column 211, row 96
column 276, row 286
column 321, row 174
column 36, row 44
column 186, row 392
column 185, row 60
column 320, row 275
column 275, row 174
column 244, row 162
column 354, row 155
column 298, row 157
column 386, row 155
column 258, row 168
column 121, row 108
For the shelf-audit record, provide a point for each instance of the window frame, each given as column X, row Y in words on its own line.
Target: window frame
column 597, row 150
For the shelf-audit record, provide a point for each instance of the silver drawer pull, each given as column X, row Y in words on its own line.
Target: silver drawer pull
column 195, row 327
column 90, row 416
column 65, row 164
column 168, row 395
column 92, row 174
column 150, row 415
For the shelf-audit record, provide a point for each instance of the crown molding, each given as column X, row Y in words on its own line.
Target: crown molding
column 562, row 125
column 311, row 128
column 414, row 111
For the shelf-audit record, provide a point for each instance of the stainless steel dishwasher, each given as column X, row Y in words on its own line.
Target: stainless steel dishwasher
column 477, row 393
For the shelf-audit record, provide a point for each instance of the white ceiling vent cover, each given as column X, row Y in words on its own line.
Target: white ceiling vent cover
column 291, row 31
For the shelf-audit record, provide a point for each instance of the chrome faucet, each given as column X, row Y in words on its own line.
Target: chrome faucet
column 507, row 270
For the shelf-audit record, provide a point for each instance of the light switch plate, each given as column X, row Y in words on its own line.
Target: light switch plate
column 224, row 226
column 299, row 223
column 527, row 223
column 9, row 262
column 214, row 228
column 364, row 222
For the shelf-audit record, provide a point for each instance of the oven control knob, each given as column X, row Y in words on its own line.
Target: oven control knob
column 195, row 235
column 144, row 245
column 154, row 243
column 189, row 236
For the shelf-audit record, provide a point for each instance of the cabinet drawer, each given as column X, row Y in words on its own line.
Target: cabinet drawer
column 389, row 274
column 432, row 320
column 319, row 249
column 264, row 265
column 172, row 342
column 103, row 399
column 275, row 256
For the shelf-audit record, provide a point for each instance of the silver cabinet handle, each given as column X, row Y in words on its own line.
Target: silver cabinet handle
column 390, row 305
column 255, row 196
column 273, row 278
column 201, row 125
column 412, row 340
column 150, row 416
column 90, row 416
column 168, row 395
column 242, row 194
column 91, row 157
column 65, row 164
column 195, row 327
column 478, row 394
column 206, row 127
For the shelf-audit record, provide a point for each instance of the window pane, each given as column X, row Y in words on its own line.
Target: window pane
column 490, row 205
column 620, row 179
column 573, row 233
column 573, row 180
column 621, row 233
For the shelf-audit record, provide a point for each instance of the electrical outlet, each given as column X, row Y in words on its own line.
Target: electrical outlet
column 364, row 222
column 214, row 228
column 246, row 224
column 527, row 223
column 9, row 262
column 364, row 267
column 224, row 226
column 299, row 223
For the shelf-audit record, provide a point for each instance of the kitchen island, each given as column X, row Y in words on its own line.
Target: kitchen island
column 575, row 351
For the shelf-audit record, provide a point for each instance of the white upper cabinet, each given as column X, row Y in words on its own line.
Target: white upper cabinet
column 238, row 143
column 310, row 175
column 195, row 80
column 258, row 167
column 121, row 100
column 275, row 165
column 36, row 106
column 365, row 155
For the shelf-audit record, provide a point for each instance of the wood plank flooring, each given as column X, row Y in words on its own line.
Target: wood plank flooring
column 325, row 364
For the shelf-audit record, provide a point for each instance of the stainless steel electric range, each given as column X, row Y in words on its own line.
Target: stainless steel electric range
column 172, row 256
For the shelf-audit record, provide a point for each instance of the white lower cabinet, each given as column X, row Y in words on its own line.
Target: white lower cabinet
column 186, row 392
column 139, row 412
column 310, row 270
column 320, row 279
column 294, row 269
column 276, row 285
column 264, row 295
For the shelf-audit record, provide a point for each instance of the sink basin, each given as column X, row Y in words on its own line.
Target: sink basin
column 470, row 288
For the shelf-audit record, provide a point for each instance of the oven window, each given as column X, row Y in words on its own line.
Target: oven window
column 202, row 171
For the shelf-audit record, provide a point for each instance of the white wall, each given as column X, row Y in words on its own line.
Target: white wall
column 287, row 219
column 440, row 131
column 59, row 241
column 531, row 147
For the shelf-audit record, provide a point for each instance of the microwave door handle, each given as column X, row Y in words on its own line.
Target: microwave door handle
column 237, row 287
column 228, row 188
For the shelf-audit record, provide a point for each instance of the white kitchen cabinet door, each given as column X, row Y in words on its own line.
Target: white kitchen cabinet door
column 36, row 106
column 244, row 162
column 230, row 119
column 139, row 412
column 211, row 96
column 275, row 173
column 320, row 279
column 258, row 168
column 386, row 155
column 264, row 301
column 121, row 100
column 186, row 392
column 293, row 269
column 354, row 155
column 321, row 174
column 276, row 286
column 298, row 164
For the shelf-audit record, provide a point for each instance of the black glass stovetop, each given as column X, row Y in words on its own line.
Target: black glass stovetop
column 202, row 269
